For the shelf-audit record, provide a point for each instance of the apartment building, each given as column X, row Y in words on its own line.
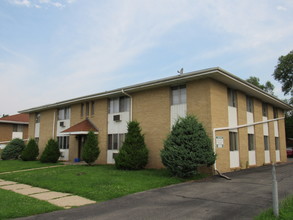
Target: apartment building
column 14, row 126
column 245, row 123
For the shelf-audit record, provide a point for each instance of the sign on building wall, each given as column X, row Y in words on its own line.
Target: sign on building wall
column 219, row 141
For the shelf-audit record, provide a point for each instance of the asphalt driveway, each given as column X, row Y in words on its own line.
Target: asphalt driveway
column 243, row 197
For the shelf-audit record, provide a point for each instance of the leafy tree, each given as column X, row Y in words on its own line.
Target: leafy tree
column 90, row 150
column 31, row 151
column 51, row 153
column 133, row 155
column 187, row 147
column 13, row 149
column 268, row 86
column 284, row 72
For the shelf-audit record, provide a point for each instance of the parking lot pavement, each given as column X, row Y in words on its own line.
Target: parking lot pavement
column 243, row 197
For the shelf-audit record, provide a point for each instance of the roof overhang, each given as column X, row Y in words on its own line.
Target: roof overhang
column 14, row 122
column 213, row 73
column 78, row 133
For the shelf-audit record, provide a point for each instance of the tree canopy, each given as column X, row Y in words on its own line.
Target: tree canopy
column 284, row 73
column 268, row 86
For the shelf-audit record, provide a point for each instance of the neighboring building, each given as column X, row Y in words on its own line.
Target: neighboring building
column 14, row 126
column 224, row 103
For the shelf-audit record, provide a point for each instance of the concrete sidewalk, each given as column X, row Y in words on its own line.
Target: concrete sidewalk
column 64, row 200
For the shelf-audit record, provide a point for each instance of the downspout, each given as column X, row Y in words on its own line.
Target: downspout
column 236, row 127
column 130, row 110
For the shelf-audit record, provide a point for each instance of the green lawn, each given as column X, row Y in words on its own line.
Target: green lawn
column 13, row 165
column 285, row 213
column 99, row 183
column 13, row 205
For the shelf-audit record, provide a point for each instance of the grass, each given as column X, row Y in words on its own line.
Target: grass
column 285, row 211
column 13, row 165
column 13, row 205
column 99, row 183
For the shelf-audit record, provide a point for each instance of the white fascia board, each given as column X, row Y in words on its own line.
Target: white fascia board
column 77, row 133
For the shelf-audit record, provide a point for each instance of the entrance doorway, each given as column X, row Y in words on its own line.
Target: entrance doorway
column 81, row 140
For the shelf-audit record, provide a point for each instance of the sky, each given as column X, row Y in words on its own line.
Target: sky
column 54, row 50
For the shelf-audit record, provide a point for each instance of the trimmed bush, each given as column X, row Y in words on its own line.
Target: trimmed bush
column 51, row 153
column 133, row 155
column 13, row 149
column 31, row 151
column 187, row 147
column 90, row 150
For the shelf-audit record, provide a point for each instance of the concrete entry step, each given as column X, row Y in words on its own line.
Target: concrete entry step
column 64, row 200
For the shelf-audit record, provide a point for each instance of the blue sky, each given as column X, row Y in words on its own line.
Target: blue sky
column 53, row 50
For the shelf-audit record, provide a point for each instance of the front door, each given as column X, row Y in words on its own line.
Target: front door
column 81, row 140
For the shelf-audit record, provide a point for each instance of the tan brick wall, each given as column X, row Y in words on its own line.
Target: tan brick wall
column 6, row 131
column 31, row 126
column 271, row 134
column 242, row 132
column 258, row 132
column 152, row 110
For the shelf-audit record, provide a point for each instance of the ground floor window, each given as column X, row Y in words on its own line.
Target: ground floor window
column 233, row 137
column 251, row 142
column 115, row 141
column 63, row 142
column 277, row 142
column 266, row 142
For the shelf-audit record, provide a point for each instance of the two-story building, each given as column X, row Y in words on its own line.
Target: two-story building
column 245, row 123
column 14, row 126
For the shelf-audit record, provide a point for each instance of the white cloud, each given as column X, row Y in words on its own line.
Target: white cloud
column 281, row 8
column 39, row 3
column 26, row 3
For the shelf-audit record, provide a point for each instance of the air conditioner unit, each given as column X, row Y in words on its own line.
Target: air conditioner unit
column 62, row 124
column 116, row 118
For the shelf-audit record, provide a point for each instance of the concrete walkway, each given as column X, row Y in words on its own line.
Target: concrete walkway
column 64, row 200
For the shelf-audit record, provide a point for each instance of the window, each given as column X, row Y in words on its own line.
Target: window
column 233, row 141
column 92, row 108
column 87, row 109
column 178, row 95
column 17, row 128
column 264, row 110
column 266, row 142
column 115, row 141
column 232, row 99
column 117, row 105
column 63, row 142
column 249, row 104
column 37, row 140
column 38, row 116
column 277, row 143
column 251, row 142
column 275, row 112
column 64, row 113
column 81, row 110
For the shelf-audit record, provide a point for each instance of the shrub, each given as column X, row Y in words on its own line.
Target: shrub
column 187, row 147
column 31, row 151
column 90, row 150
column 133, row 155
column 13, row 149
column 51, row 153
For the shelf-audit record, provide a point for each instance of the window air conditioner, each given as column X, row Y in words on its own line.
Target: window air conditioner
column 116, row 118
column 62, row 124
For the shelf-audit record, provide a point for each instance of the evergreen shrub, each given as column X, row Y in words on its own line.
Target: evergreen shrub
column 31, row 151
column 133, row 154
column 90, row 150
column 51, row 153
column 187, row 147
column 13, row 149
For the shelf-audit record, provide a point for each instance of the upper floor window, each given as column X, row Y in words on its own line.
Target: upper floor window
column 275, row 112
column 249, row 104
column 277, row 143
column 17, row 128
column 81, row 110
column 178, row 95
column 120, row 104
column 92, row 108
column 264, row 110
column 64, row 113
column 87, row 109
column 232, row 98
column 38, row 117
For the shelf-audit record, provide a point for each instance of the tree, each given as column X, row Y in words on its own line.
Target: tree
column 267, row 87
column 51, row 153
column 284, row 73
column 90, row 150
column 31, row 151
column 13, row 149
column 187, row 147
column 133, row 154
